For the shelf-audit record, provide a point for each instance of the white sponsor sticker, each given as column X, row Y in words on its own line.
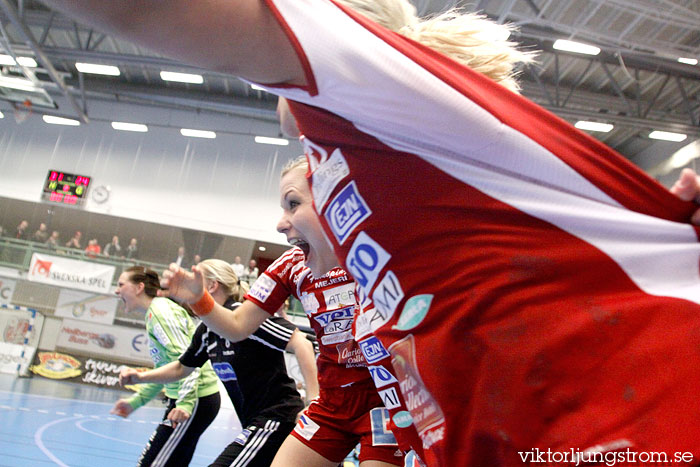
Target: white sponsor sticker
column 386, row 298
column 262, row 288
column 347, row 210
column 326, row 176
column 336, row 338
column 339, row 297
column 365, row 260
column 306, row 427
column 390, row 398
column 381, row 376
column 161, row 335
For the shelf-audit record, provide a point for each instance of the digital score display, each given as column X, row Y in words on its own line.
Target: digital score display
column 65, row 188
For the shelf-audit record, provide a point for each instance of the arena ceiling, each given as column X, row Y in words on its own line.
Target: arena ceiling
column 635, row 83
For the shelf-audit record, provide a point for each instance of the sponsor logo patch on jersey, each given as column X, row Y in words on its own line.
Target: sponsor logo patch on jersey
column 337, row 321
column 413, row 312
column 346, row 211
column 262, row 288
column 381, row 434
column 160, row 334
column 224, row 371
column 326, row 175
column 381, row 376
column 386, row 298
column 365, row 260
column 242, row 438
column 306, row 427
column 390, row 398
column 373, row 350
column 337, row 297
column 309, row 302
column 403, row 419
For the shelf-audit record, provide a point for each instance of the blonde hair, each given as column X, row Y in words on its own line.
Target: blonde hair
column 297, row 162
column 456, row 34
column 222, row 272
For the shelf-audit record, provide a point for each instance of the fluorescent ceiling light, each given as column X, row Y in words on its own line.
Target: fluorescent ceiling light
column 275, row 141
column 685, row 155
column 262, row 248
column 24, row 61
column 96, row 69
column 593, row 126
column 493, row 32
column 197, row 133
column 667, row 136
column 689, row 61
column 60, row 120
column 577, row 47
column 257, row 88
column 2, row 115
column 181, row 77
column 130, row 127
column 18, row 83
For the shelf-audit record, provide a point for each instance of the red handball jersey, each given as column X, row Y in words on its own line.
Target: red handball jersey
column 535, row 290
column 329, row 302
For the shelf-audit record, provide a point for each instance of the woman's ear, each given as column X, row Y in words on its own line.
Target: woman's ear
column 140, row 287
column 213, row 287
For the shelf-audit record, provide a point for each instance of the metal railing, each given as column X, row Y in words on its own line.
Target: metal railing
column 17, row 254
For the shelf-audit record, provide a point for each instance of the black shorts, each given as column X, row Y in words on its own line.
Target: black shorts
column 256, row 445
column 170, row 446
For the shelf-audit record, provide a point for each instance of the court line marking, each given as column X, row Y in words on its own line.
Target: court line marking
column 38, row 441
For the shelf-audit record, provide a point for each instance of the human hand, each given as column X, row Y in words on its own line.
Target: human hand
column 687, row 188
column 177, row 416
column 121, row 408
column 129, row 376
column 182, row 286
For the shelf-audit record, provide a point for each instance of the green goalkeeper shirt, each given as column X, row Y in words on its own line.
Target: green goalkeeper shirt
column 170, row 329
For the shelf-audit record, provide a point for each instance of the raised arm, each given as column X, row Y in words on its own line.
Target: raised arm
column 238, row 37
column 304, row 351
column 687, row 188
column 188, row 287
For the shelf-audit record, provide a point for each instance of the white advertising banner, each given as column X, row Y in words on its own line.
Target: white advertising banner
column 7, row 288
column 86, row 306
column 71, row 273
column 115, row 342
column 15, row 358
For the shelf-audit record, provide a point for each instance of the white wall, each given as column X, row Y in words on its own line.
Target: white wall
column 227, row 185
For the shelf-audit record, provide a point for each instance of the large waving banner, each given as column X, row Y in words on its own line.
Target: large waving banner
column 71, row 273
column 86, row 306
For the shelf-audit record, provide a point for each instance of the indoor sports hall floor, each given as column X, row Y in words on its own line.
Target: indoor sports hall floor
column 45, row 423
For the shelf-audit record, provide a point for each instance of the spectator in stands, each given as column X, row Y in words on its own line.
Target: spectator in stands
column 93, row 249
column 52, row 241
column 2, row 231
column 251, row 272
column 180, row 259
column 132, row 250
column 113, row 248
column 21, row 232
column 74, row 242
column 197, row 259
column 238, row 267
column 42, row 234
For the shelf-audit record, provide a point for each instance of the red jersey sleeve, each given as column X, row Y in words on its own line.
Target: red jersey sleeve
column 277, row 283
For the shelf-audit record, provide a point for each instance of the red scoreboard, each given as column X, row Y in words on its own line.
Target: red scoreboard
column 65, row 188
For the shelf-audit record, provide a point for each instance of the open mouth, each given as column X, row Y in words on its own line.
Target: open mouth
column 301, row 244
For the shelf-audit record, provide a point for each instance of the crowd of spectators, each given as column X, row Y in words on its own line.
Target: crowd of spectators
column 52, row 241
column 113, row 249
